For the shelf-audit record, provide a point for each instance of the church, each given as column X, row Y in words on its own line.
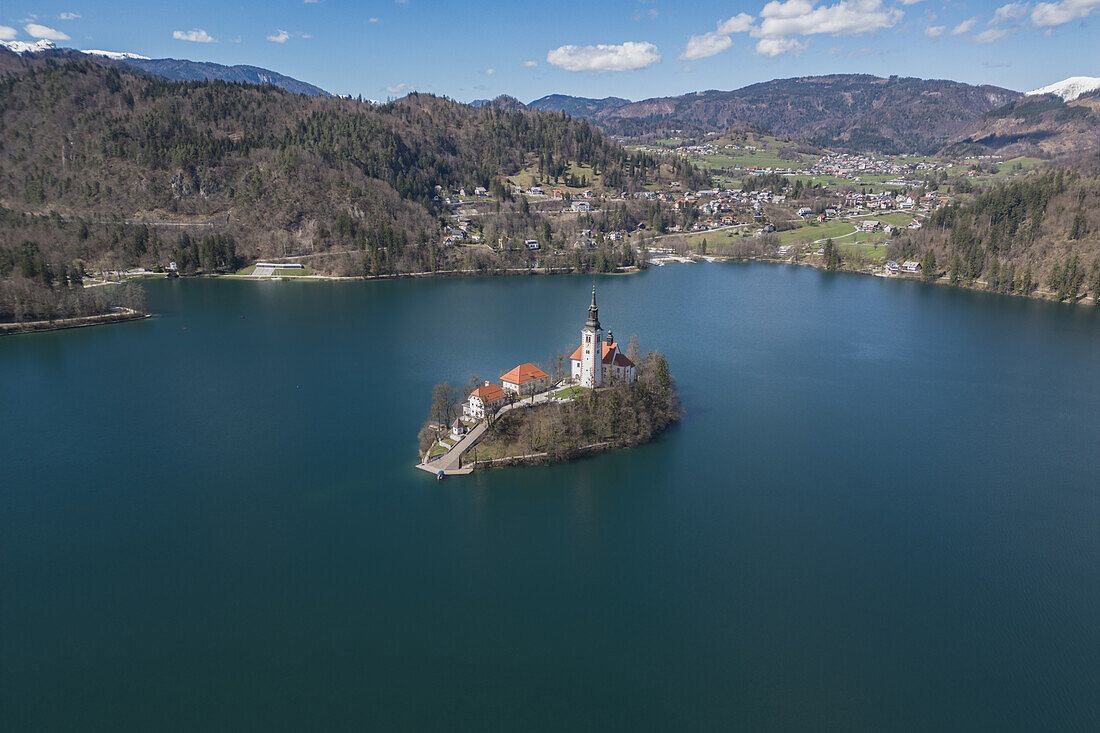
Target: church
column 597, row 360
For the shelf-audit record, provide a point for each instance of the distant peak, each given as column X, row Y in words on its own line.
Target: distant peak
column 1071, row 88
column 22, row 47
column 117, row 55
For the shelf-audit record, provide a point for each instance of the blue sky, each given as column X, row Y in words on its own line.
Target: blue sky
column 626, row 48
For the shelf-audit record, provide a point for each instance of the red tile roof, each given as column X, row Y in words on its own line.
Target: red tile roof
column 609, row 355
column 488, row 393
column 524, row 373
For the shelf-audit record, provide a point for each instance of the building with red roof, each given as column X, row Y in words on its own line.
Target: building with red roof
column 483, row 401
column 525, row 379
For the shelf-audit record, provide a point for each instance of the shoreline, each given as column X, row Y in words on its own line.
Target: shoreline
column 118, row 315
column 977, row 285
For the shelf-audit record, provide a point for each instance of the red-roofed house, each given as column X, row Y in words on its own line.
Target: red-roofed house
column 483, row 401
column 595, row 361
column 525, row 379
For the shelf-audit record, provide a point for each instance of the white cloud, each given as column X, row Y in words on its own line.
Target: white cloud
column 69, row 16
column 7, row 33
column 489, row 72
column 279, row 36
column 964, row 27
column 1011, row 11
column 627, row 56
column 400, row 88
column 373, row 20
column 714, row 42
column 305, row 35
column 41, row 31
column 991, row 35
column 311, row 2
column 530, row 64
column 802, row 18
column 772, row 47
column 1047, row 15
column 706, row 45
column 935, row 31
column 909, row 2
column 195, row 35
column 739, row 23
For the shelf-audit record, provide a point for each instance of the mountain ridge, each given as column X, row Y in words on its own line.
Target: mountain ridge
column 175, row 69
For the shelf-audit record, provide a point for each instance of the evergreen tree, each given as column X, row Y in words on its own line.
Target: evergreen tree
column 832, row 255
column 1079, row 228
column 928, row 266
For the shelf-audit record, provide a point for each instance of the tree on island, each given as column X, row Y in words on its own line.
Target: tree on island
column 444, row 401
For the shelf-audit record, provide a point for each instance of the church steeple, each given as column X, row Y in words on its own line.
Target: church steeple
column 593, row 313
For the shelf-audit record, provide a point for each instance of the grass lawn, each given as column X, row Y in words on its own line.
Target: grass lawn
column 812, row 233
column 864, row 251
column 436, row 451
column 569, row 392
column 718, row 236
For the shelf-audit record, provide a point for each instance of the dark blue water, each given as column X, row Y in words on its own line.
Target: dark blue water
column 881, row 512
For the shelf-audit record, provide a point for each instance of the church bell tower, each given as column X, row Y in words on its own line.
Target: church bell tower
column 591, row 348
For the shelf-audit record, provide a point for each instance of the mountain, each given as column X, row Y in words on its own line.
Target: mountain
column 1071, row 88
column 22, row 47
column 582, row 107
column 855, row 111
column 178, row 69
column 184, row 70
column 1042, row 125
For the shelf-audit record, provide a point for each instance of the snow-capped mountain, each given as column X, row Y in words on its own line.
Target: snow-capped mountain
column 116, row 55
column 46, row 45
column 1071, row 88
column 28, row 46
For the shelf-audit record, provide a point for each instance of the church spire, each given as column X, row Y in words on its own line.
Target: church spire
column 593, row 313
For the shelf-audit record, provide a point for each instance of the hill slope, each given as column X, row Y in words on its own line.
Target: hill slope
column 268, row 172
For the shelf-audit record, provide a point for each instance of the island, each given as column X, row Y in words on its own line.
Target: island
column 610, row 398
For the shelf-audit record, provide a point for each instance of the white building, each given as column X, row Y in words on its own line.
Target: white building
column 597, row 361
column 483, row 401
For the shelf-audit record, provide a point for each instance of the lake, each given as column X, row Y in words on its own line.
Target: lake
column 881, row 511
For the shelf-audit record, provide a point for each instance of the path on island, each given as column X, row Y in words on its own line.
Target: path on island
column 450, row 463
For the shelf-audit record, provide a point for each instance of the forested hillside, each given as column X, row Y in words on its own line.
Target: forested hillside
column 849, row 111
column 92, row 154
column 1041, row 232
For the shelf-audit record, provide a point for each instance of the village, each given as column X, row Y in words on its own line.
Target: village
column 597, row 362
